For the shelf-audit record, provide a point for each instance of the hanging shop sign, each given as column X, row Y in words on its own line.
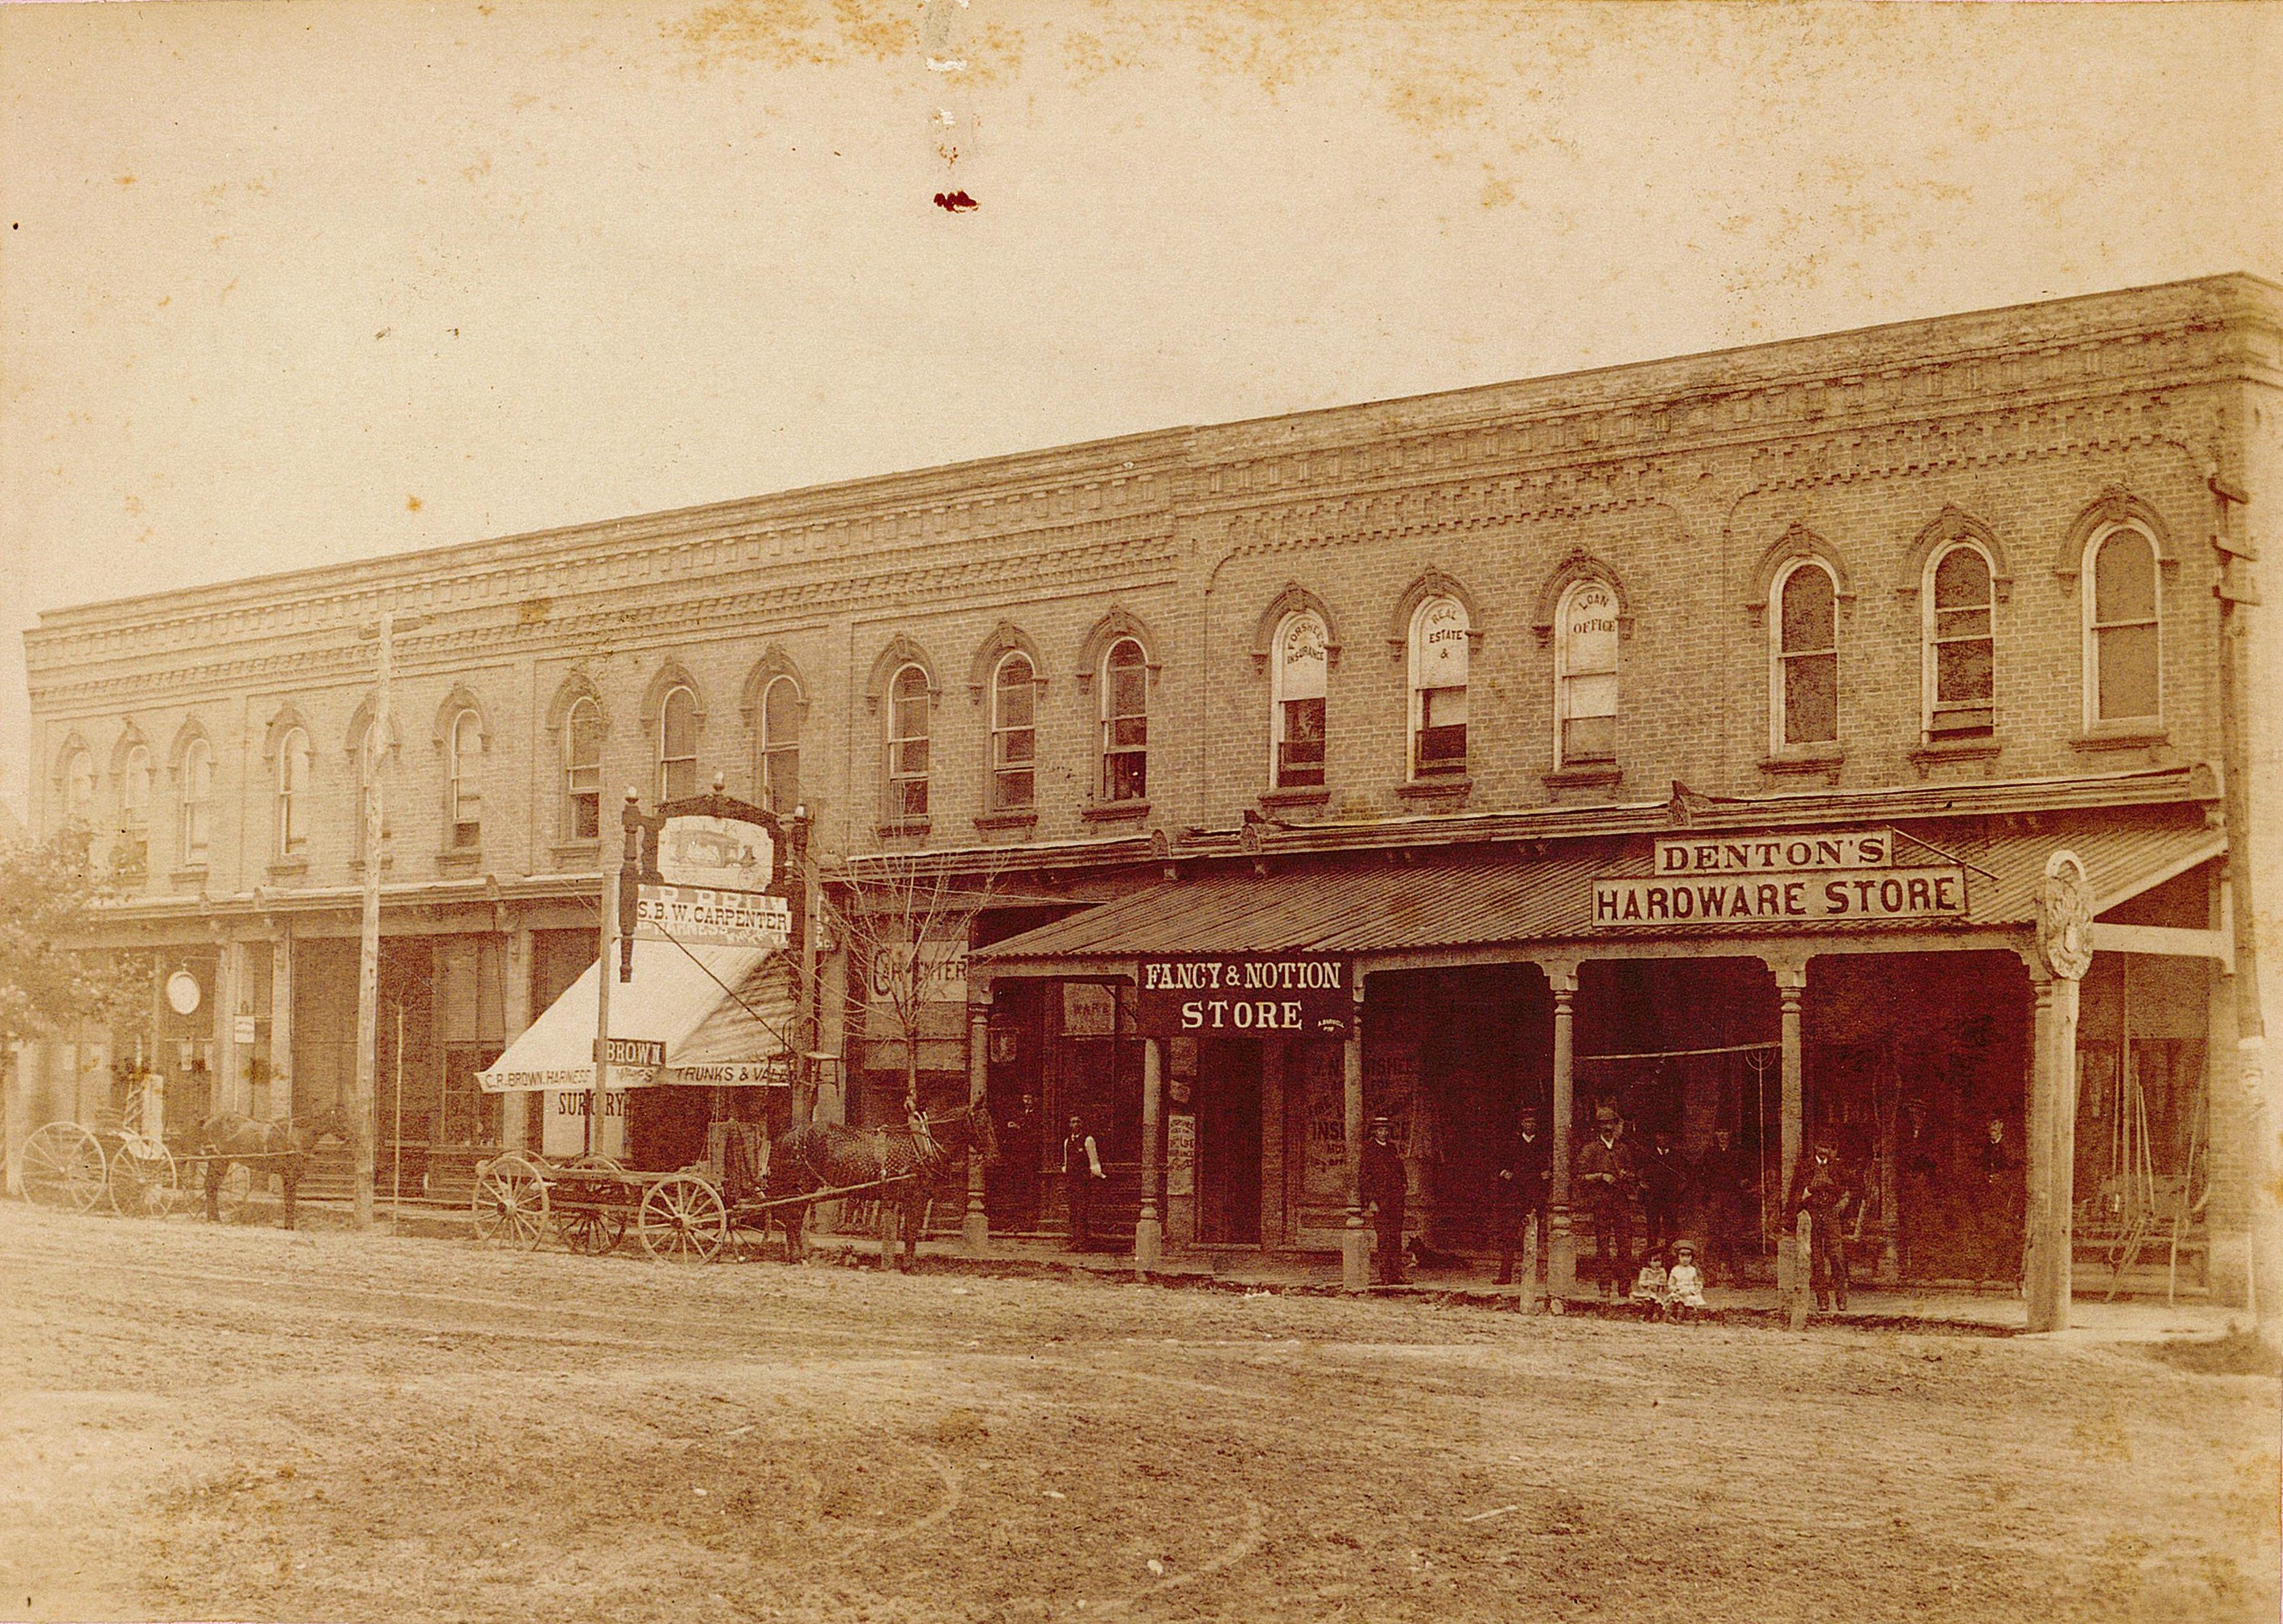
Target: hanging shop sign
column 1245, row 994
column 184, row 994
column 710, row 887
column 644, row 1053
column 1811, row 877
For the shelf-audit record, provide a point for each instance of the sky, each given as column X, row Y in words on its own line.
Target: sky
column 291, row 284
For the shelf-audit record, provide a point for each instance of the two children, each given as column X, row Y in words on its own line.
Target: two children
column 1676, row 1292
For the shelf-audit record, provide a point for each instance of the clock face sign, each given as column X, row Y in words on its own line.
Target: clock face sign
column 182, row 993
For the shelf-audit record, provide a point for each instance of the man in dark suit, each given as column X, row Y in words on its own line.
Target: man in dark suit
column 1384, row 1187
column 1605, row 1187
column 1518, row 1198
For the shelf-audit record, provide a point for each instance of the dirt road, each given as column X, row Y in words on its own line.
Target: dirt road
column 203, row 1423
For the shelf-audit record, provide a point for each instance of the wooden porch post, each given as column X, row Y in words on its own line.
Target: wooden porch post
column 281, row 1024
column 515, row 974
column 2052, row 1148
column 1355, row 1257
column 1791, row 984
column 1149, row 1229
column 1561, row 1242
column 975, row 1228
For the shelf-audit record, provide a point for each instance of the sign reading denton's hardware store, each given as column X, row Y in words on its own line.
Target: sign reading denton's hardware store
column 1806, row 877
column 1245, row 994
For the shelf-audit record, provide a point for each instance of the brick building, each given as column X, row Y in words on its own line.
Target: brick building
column 1441, row 687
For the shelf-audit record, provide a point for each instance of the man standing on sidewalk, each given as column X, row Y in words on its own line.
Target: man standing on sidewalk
column 1385, row 1182
column 1605, row 1184
column 1081, row 1172
column 1821, row 1189
column 1518, row 1200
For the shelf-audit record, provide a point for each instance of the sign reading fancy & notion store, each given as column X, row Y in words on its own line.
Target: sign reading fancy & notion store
column 1811, row 877
column 1244, row 994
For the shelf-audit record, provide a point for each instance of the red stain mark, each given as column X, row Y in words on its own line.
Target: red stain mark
column 955, row 202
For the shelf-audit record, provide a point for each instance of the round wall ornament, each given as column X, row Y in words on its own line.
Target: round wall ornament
column 183, row 994
column 2065, row 916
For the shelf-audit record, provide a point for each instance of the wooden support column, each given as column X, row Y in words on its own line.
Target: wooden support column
column 515, row 1011
column 975, row 1228
column 1149, row 1229
column 1355, row 1247
column 2050, row 1174
column 231, row 1093
column 1791, row 985
column 1561, row 1241
column 281, row 1024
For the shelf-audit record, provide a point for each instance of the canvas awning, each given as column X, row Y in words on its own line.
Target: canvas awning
column 680, row 998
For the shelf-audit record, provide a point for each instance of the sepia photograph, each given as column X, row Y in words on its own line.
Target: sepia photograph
column 1000, row 811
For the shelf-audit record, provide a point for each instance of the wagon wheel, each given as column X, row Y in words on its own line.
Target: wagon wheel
column 142, row 1181
column 682, row 1219
column 232, row 1194
column 63, row 1167
column 510, row 1204
column 590, row 1230
column 598, row 1164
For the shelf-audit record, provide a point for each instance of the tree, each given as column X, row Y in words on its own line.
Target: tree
column 48, row 893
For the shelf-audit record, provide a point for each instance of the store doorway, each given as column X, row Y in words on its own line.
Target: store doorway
column 1229, row 1142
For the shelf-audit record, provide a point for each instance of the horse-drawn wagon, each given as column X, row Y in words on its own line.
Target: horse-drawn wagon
column 122, row 1161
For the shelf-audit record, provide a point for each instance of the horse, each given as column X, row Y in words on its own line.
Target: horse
column 826, row 1156
column 281, row 1146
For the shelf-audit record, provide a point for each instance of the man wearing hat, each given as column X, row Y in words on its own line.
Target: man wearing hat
column 1605, row 1185
column 1518, row 1197
column 1081, row 1172
column 1384, row 1181
column 1819, row 1187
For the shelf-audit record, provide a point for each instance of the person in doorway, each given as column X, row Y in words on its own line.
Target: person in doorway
column 1663, row 1176
column 1081, row 1174
column 1018, row 1163
column 1721, row 1177
column 1605, row 1184
column 1997, row 1256
column 1518, row 1198
column 1385, row 1183
column 1820, row 1188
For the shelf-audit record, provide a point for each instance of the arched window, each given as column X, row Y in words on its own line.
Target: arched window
column 293, row 794
column 1961, row 645
column 677, row 746
column 464, row 782
column 78, row 785
column 1013, row 735
column 780, row 745
column 1586, row 675
column 582, row 771
column 2122, row 648
column 1439, row 635
column 132, row 854
column 1806, row 656
column 1298, row 722
column 197, row 802
column 1125, row 722
column 908, row 746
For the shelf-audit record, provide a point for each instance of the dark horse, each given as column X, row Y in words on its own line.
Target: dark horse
column 825, row 1156
column 281, row 1147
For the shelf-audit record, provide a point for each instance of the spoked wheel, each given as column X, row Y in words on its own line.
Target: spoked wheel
column 511, row 1204
column 590, row 1230
column 683, row 1220
column 63, row 1167
column 597, row 1164
column 144, row 1183
column 233, row 1190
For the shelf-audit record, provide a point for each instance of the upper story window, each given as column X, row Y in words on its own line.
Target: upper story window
column 78, row 785
column 1961, row 645
column 780, row 746
column 677, row 746
column 2122, row 647
column 1806, row 656
column 293, row 794
column 1439, row 636
column 582, row 771
column 1586, row 675
column 1125, row 722
column 1014, row 734
column 197, row 802
column 463, row 787
column 1300, row 665
column 132, row 854
column 908, row 746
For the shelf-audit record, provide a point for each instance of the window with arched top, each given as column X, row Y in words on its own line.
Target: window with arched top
column 197, row 802
column 1125, row 722
column 293, row 794
column 463, row 789
column 1805, row 690
column 582, row 771
column 1586, row 675
column 1014, row 734
column 780, row 746
column 677, row 745
column 1300, row 663
column 908, row 702
column 1961, row 644
column 1439, row 638
column 2122, row 645
column 131, row 855
column 78, row 785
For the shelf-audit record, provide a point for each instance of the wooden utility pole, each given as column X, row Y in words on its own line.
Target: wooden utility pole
column 374, row 746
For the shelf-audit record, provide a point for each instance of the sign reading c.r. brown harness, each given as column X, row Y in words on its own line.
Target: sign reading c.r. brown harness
column 1806, row 876
column 1245, row 995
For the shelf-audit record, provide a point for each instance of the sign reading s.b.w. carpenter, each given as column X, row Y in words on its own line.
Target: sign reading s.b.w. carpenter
column 1244, row 995
column 697, row 916
column 1810, row 878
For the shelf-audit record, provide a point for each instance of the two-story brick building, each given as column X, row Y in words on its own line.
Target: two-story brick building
column 1690, row 737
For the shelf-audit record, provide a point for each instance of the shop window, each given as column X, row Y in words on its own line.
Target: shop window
column 1960, row 646
column 197, row 802
column 1013, row 735
column 677, row 746
column 582, row 772
column 1125, row 722
column 1439, row 638
column 1300, row 666
column 1807, row 657
column 2122, row 645
column 1585, row 676
column 78, row 785
column 130, row 857
column 293, row 794
column 908, row 746
column 780, row 746
column 465, row 788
